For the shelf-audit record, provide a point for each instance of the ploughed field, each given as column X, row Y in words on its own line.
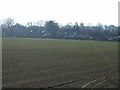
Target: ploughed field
column 42, row 63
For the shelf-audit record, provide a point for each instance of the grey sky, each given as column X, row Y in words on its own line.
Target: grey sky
column 62, row 11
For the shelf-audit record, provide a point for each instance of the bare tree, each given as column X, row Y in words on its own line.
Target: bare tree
column 29, row 24
column 40, row 23
column 9, row 22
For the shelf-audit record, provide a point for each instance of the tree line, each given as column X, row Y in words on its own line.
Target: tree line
column 52, row 29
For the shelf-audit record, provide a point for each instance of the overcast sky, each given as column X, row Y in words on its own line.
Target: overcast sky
column 90, row 12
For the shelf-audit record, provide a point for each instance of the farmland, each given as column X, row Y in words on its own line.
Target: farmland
column 37, row 63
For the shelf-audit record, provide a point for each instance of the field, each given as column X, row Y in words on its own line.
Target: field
column 37, row 63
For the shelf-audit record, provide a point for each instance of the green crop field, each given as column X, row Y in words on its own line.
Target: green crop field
column 37, row 63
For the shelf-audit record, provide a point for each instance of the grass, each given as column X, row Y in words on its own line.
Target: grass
column 40, row 63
